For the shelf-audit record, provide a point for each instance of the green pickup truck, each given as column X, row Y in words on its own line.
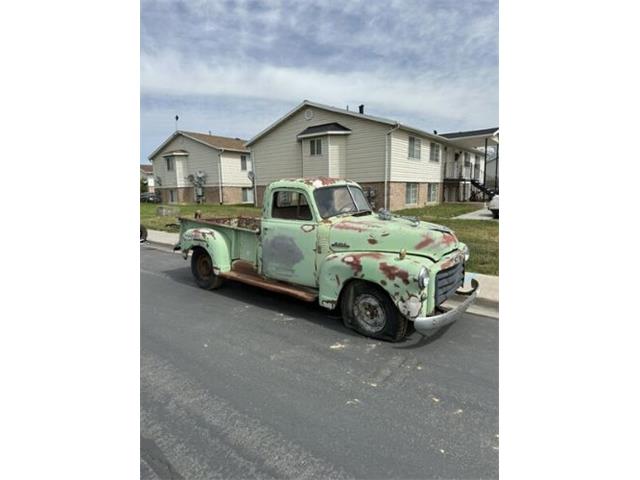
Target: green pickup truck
column 319, row 241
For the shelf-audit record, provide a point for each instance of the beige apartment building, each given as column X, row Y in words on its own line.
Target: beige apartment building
column 399, row 166
column 189, row 167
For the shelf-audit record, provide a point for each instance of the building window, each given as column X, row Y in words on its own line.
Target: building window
column 247, row 195
column 432, row 192
column 467, row 159
column 315, row 146
column 415, row 144
column 411, row 194
column 243, row 163
column 434, row 152
column 170, row 163
column 172, row 196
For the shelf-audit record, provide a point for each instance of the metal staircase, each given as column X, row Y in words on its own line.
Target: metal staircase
column 487, row 191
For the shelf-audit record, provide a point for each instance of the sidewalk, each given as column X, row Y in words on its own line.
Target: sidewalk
column 486, row 304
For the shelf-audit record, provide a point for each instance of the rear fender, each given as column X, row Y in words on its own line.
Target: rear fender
column 215, row 243
column 398, row 277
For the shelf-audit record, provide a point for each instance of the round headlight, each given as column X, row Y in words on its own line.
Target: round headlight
column 465, row 250
column 423, row 278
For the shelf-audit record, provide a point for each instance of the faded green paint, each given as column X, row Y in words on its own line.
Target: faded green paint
column 326, row 254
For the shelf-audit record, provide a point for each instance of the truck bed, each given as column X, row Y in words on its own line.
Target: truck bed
column 240, row 232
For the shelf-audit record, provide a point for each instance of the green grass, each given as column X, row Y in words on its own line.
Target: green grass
column 480, row 235
column 442, row 210
column 150, row 219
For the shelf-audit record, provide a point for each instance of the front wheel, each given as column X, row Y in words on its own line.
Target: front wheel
column 143, row 233
column 202, row 269
column 367, row 309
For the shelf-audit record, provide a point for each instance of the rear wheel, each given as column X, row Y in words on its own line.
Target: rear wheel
column 367, row 309
column 143, row 233
column 202, row 269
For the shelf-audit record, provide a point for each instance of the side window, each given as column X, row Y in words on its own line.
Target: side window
column 290, row 205
column 315, row 146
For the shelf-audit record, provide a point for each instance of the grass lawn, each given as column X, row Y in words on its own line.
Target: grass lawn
column 480, row 235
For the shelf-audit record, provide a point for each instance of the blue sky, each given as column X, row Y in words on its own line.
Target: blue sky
column 234, row 67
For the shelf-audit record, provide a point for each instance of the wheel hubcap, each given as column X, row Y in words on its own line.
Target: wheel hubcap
column 369, row 313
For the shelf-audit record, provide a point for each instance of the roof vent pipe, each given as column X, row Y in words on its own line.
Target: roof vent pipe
column 361, row 109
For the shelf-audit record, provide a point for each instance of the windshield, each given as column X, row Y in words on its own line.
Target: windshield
column 340, row 200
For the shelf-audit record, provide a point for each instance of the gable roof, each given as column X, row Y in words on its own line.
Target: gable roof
column 385, row 121
column 213, row 141
column 146, row 168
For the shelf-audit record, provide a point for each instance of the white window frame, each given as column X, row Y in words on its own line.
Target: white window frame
column 417, row 148
column 432, row 191
column 315, row 147
column 243, row 163
column 434, row 152
column 413, row 187
column 247, row 195
column 170, row 164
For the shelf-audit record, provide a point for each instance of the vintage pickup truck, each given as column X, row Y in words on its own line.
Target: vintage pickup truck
column 318, row 240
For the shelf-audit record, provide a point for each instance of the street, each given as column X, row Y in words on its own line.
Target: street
column 243, row 383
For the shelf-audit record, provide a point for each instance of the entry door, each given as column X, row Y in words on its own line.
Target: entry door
column 289, row 237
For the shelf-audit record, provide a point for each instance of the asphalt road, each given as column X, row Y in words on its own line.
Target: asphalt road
column 242, row 383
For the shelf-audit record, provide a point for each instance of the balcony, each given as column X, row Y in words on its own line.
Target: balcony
column 454, row 171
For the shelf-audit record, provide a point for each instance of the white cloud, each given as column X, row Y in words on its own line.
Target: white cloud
column 465, row 99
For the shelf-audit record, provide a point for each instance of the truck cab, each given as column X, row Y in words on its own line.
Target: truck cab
column 319, row 240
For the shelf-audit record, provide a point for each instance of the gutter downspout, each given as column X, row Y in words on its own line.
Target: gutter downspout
column 484, row 181
column 387, row 163
column 255, row 179
column 220, row 152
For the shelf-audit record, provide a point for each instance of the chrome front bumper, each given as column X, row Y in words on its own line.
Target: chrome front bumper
column 428, row 324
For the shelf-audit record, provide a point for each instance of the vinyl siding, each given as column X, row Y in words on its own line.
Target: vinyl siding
column 232, row 173
column 315, row 165
column 277, row 154
column 200, row 157
column 404, row 169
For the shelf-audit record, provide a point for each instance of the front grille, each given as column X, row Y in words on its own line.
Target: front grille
column 448, row 281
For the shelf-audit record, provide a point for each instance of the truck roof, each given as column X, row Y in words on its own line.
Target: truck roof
column 311, row 183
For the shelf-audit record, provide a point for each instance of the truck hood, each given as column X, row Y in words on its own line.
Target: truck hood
column 373, row 233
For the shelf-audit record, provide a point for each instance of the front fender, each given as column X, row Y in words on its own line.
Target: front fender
column 399, row 277
column 215, row 243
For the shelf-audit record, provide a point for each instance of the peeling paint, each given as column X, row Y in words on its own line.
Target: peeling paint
column 391, row 272
column 354, row 261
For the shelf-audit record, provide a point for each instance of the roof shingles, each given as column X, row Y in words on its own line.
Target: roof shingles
column 219, row 142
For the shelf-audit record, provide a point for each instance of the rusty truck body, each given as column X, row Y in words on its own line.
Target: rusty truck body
column 319, row 241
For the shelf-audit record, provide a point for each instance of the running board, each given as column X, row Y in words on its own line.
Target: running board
column 271, row 285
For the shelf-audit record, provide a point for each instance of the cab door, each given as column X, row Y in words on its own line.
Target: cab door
column 288, row 238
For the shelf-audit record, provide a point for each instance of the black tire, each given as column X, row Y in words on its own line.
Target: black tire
column 202, row 270
column 366, row 300
column 495, row 213
column 143, row 233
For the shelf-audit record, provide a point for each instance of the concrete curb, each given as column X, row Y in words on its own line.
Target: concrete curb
column 486, row 304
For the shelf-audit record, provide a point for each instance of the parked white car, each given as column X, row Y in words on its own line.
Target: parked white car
column 493, row 206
